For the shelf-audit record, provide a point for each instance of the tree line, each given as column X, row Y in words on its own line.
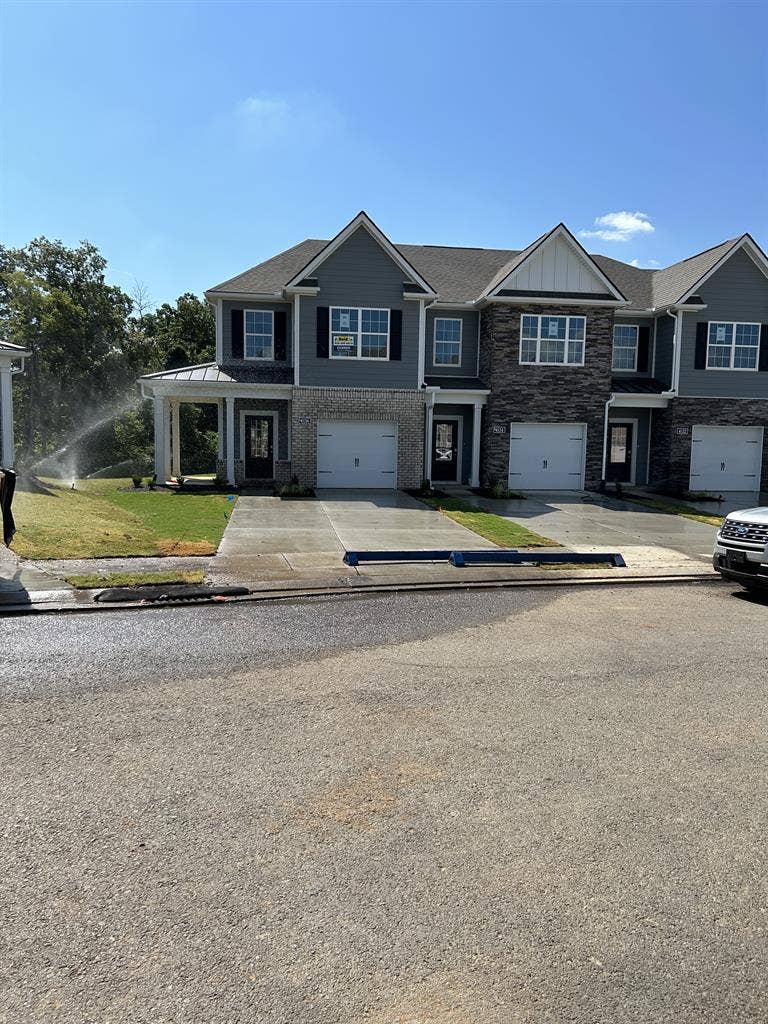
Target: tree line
column 89, row 341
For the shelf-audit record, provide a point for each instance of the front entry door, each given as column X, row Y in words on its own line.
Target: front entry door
column 445, row 450
column 619, row 463
column 259, row 447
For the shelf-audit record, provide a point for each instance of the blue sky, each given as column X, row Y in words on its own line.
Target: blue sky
column 190, row 141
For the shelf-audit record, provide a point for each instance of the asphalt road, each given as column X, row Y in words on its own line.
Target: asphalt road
column 520, row 806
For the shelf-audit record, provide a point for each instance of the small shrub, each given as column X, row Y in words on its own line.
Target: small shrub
column 181, row 482
column 293, row 490
column 136, row 481
column 219, row 482
column 619, row 489
column 152, row 481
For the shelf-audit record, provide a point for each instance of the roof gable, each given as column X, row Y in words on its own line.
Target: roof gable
column 362, row 220
column 554, row 263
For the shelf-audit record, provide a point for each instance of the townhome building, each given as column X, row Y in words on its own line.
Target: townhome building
column 359, row 363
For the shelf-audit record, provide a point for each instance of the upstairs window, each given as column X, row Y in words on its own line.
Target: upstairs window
column 258, row 334
column 732, row 346
column 625, row 346
column 552, row 340
column 447, row 347
column 359, row 333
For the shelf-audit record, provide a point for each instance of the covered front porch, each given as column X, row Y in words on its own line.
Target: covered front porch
column 627, row 439
column 253, row 424
column 452, row 436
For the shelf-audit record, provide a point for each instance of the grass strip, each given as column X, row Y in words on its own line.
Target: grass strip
column 94, row 581
column 504, row 532
column 675, row 508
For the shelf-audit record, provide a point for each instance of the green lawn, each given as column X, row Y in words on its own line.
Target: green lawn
column 101, row 518
column 504, row 532
column 94, row 581
column 676, row 508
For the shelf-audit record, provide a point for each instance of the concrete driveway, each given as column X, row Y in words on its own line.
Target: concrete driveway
column 586, row 522
column 268, row 538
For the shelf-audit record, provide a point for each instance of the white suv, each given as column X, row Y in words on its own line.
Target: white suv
column 741, row 548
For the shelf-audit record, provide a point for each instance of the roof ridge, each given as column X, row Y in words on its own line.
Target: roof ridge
column 711, row 248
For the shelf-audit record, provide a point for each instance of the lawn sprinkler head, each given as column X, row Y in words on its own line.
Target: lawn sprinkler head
column 73, row 484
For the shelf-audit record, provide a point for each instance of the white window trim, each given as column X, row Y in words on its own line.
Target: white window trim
column 732, row 368
column 539, row 339
column 258, row 359
column 625, row 369
column 266, row 413
column 359, row 332
column 460, row 322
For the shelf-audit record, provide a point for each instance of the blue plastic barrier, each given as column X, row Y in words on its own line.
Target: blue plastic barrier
column 512, row 557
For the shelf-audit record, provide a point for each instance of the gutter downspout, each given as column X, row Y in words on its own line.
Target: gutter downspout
column 676, row 342
column 608, row 405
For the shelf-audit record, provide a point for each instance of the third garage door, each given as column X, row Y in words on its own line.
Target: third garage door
column 356, row 453
column 726, row 458
column 546, row 456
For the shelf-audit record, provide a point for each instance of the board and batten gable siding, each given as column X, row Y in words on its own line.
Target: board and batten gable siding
column 469, row 341
column 738, row 291
column 665, row 342
column 557, row 267
column 226, row 333
column 359, row 274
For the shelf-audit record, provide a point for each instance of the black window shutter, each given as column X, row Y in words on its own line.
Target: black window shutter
column 762, row 363
column 322, row 332
column 395, row 334
column 702, row 329
column 281, row 327
column 643, row 346
column 237, row 334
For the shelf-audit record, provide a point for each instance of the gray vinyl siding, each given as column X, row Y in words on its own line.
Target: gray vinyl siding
column 737, row 292
column 226, row 333
column 467, row 415
column 359, row 274
column 665, row 339
column 636, row 321
column 643, row 435
column 469, row 328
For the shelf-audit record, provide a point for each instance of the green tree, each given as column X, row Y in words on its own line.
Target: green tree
column 184, row 334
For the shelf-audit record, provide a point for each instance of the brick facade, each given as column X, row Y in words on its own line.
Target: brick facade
column 407, row 408
column 671, row 449
column 543, row 394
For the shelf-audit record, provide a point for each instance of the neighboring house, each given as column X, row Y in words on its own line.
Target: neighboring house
column 11, row 362
column 359, row 363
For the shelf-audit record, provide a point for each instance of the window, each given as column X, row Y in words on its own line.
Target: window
column 447, row 350
column 732, row 346
column 625, row 346
column 359, row 333
column 552, row 340
column 258, row 334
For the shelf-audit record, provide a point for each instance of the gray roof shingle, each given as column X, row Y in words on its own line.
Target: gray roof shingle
column 461, row 274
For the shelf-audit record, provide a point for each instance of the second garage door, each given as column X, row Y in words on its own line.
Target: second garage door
column 546, row 456
column 726, row 458
column 356, row 453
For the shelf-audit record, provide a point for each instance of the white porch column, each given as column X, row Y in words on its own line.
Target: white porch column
column 428, row 439
column 161, row 438
column 230, row 441
column 175, row 439
column 474, row 476
column 8, row 453
column 220, row 425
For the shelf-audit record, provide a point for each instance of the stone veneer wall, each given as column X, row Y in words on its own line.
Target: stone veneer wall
column 543, row 394
column 671, row 451
column 407, row 408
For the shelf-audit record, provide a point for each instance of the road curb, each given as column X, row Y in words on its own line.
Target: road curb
column 362, row 589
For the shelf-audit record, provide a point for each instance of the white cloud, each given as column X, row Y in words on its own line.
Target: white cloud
column 270, row 120
column 648, row 263
column 620, row 227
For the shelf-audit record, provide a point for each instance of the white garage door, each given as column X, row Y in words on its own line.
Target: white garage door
column 356, row 453
column 726, row 458
column 546, row 456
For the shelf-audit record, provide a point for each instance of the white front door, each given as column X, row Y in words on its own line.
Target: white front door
column 356, row 453
column 726, row 458
column 546, row 456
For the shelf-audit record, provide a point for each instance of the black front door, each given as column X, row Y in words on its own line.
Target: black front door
column 619, row 463
column 259, row 447
column 445, row 449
